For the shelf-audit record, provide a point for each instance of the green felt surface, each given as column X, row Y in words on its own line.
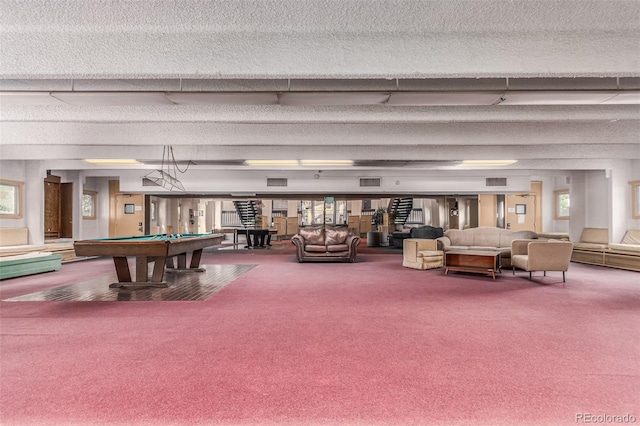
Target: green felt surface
column 155, row 237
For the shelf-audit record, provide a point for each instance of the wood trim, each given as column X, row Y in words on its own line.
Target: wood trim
column 555, row 204
column 635, row 214
column 20, row 186
column 94, row 194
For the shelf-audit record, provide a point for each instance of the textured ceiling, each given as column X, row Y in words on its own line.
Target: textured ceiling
column 319, row 46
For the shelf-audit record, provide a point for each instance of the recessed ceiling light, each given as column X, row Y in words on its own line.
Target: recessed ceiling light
column 488, row 162
column 326, row 162
column 112, row 161
column 271, row 162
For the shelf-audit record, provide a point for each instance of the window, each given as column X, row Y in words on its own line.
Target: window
column 562, row 202
column 635, row 199
column 89, row 199
column 10, row 199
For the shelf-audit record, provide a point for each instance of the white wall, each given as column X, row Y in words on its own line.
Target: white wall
column 333, row 181
column 634, row 175
column 548, row 186
column 98, row 227
column 596, row 195
column 622, row 172
column 559, row 183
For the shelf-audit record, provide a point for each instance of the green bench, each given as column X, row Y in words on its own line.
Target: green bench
column 28, row 264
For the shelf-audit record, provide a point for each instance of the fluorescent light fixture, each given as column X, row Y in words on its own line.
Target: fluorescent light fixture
column 165, row 180
column 326, row 162
column 488, row 162
column 113, row 161
column 271, row 162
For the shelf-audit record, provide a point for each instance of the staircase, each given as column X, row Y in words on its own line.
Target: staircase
column 247, row 212
column 401, row 207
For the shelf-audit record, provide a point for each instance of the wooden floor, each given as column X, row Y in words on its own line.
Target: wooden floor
column 182, row 286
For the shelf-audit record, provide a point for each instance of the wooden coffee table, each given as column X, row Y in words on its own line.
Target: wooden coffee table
column 482, row 262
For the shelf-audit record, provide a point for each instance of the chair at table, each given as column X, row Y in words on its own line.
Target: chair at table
column 535, row 255
column 420, row 253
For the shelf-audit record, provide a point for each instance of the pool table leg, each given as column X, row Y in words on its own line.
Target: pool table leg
column 195, row 259
column 142, row 264
column 122, row 269
column 182, row 261
column 158, row 269
column 194, row 266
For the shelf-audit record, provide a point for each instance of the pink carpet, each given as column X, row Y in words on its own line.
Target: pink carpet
column 369, row 343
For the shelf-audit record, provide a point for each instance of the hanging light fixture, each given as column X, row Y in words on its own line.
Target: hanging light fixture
column 167, row 175
column 454, row 211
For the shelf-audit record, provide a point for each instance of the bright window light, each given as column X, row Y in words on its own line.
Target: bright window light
column 326, row 162
column 271, row 162
column 112, row 161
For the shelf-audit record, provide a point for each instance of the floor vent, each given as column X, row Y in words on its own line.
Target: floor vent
column 496, row 181
column 369, row 182
column 277, row 182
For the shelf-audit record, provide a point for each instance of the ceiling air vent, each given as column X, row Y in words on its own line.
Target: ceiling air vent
column 496, row 181
column 369, row 182
column 276, row 181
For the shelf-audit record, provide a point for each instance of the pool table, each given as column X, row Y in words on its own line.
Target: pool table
column 160, row 249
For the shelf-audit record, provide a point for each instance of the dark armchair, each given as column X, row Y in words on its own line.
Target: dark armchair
column 424, row 232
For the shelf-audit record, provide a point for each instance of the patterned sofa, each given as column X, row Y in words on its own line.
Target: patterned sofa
column 325, row 243
column 483, row 238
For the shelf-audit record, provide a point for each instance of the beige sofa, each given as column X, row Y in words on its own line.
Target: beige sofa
column 626, row 254
column 591, row 247
column 531, row 255
column 483, row 238
column 15, row 242
column 594, row 248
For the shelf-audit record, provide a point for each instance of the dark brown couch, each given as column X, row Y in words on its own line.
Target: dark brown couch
column 325, row 243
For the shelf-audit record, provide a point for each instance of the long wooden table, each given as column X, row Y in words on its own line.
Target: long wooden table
column 248, row 232
column 160, row 249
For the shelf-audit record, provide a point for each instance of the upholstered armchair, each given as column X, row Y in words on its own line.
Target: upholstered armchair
column 536, row 255
column 420, row 253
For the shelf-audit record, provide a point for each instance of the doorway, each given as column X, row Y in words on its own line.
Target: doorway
column 129, row 215
column 58, row 208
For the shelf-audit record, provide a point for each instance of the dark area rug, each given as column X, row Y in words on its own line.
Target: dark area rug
column 182, row 286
